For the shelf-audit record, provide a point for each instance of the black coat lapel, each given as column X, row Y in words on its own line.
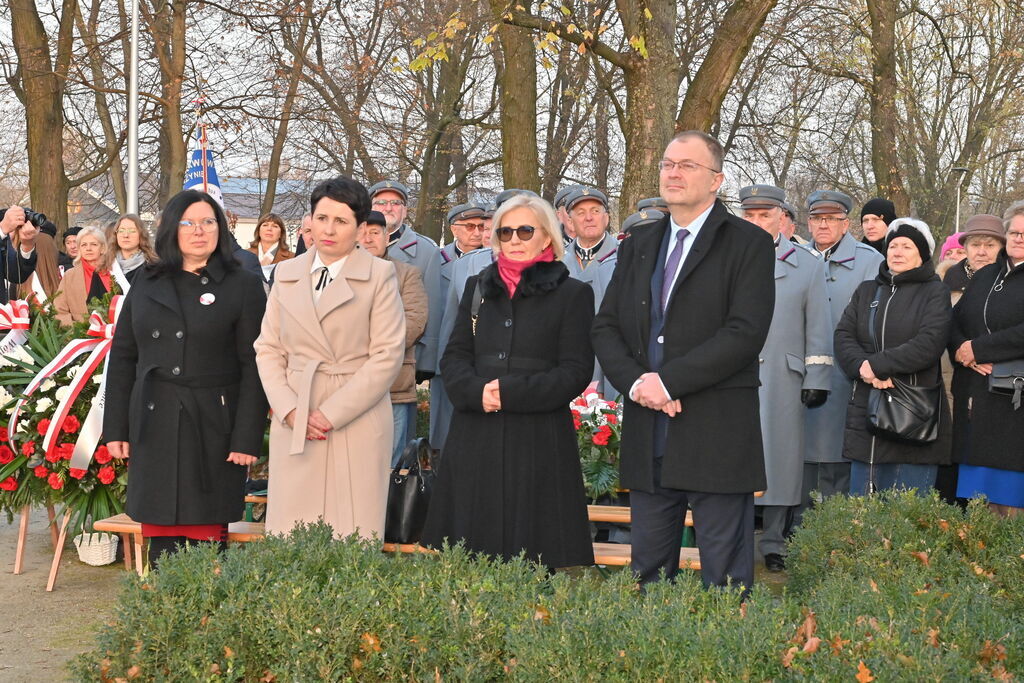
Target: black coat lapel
column 702, row 245
column 648, row 245
column 161, row 290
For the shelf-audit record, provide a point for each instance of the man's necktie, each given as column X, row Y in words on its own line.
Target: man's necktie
column 325, row 279
column 672, row 266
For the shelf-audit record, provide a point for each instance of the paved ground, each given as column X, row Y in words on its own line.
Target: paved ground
column 39, row 631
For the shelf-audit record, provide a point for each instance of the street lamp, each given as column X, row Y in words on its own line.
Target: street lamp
column 133, row 116
column 963, row 174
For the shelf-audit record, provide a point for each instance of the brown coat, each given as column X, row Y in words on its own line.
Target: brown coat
column 340, row 356
column 70, row 302
column 281, row 254
column 414, row 300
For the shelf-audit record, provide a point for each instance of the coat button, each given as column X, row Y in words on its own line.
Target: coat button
column 179, row 334
column 175, row 370
column 508, row 322
column 661, row 340
column 204, row 280
column 760, row 360
column 501, row 355
column 151, row 405
column 156, row 334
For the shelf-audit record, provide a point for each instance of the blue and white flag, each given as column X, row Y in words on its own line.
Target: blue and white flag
column 201, row 174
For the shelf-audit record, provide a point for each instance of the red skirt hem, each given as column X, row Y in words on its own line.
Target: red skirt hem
column 196, row 532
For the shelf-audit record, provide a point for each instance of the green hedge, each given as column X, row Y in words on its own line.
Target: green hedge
column 862, row 600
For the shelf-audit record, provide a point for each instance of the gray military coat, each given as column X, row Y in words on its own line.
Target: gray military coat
column 416, row 250
column 605, row 269
column 797, row 355
column 577, row 271
column 851, row 264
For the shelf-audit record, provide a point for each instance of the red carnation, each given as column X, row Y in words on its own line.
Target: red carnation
column 576, row 422
column 28, row 449
column 581, row 402
column 71, row 424
column 66, row 450
column 106, row 474
column 102, row 455
column 76, row 473
column 53, row 455
column 43, row 425
column 41, row 471
column 6, row 454
column 55, row 481
column 613, row 405
column 9, row 484
column 602, row 436
column 4, row 435
column 612, row 418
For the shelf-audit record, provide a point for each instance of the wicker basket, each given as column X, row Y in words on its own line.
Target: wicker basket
column 96, row 549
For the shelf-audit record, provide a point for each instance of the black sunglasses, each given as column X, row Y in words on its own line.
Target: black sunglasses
column 525, row 233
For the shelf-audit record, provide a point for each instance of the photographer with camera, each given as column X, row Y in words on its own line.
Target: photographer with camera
column 16, row 262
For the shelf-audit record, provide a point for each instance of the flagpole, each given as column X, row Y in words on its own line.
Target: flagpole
column 133, row 116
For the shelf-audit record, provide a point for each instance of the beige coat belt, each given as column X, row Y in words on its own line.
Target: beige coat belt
column 305, row 389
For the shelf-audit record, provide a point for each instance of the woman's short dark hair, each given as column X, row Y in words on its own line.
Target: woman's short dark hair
column 346, row 191
column 167, row 248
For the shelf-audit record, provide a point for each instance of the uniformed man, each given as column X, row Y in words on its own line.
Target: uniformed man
column 789, row 224
column 795, row 368
column 656, row 203
column 563, row 217
column 847, row 264
column 588, row 216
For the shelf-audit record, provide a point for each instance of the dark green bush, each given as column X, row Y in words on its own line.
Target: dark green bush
column 862, row 600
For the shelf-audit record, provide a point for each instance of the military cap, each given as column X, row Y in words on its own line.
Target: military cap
column 652, row 203
column 464, row 211
column 489, row 211
column 640, row 219
column 389, row 185
column 508, row 194
column 583, row 194
column 762, row 197
column 376, row 218
column 789, row 209
column 828, row 201
column 564, row 193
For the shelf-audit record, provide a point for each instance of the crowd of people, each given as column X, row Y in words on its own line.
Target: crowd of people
column 747, row 359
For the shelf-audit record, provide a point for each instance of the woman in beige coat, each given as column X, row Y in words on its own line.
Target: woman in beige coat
column 331, row 345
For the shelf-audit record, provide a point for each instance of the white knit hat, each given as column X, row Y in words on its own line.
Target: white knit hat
column 917, row 231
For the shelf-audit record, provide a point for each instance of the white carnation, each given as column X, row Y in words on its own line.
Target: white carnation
column 43, row 405
column 62, row 393
column 47, row 385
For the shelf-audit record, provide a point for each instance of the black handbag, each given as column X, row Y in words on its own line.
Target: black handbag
column 905, row 412
column 1008, row 378
column 411, row 484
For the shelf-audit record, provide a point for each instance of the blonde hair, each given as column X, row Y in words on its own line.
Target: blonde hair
column 545, row 216
column 100, row 235
column 145, row 241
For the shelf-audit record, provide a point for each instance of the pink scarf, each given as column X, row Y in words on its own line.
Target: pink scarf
column 512, row 271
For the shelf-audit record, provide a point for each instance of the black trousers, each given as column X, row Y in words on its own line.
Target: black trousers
column 724, row 524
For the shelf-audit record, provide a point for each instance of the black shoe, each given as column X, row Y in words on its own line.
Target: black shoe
column 774, row 562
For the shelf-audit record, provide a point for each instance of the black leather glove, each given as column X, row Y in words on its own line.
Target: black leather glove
column 813, row 398
column 423, row 376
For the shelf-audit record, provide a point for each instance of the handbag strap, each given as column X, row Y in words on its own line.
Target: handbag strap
column 872, row 311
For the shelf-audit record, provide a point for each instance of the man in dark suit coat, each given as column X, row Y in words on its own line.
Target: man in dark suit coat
column 681, row 325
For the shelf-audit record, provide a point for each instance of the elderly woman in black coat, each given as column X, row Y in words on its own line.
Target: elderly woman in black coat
column 510, row 478
column 184, row 399
column 911, row 309
column 988, row 329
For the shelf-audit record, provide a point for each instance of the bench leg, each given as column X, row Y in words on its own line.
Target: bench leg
column 52, row 514
column 55, row 565
column 19, row 554
column 126, row 548
column 137, row 542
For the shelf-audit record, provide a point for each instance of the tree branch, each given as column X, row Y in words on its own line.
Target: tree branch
column 606, row 52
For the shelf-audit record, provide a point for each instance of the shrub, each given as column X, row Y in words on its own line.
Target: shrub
column 862, row 602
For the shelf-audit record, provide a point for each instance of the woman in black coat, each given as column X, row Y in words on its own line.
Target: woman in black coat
column 510, row 478
column 912, row 321
column 183, row 397
column 988, row 328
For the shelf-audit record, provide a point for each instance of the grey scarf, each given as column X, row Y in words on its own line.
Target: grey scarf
column 132, row 262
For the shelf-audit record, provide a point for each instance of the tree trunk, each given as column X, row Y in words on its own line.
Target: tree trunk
column 517, row 78
column 883, row 98
column 274, row 167
column 167, row 26
column 732, row 42
column 42, row 93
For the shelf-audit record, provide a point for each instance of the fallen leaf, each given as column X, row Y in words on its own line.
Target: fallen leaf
column 205, row 620
column 357, row 664
column 944, row 525
column 215, row 668
column 1000, row 673
column 437, row 675
column 933, row 637
column 228, row 652
column 874, row 586
column 922, row 557
column 541, row 613
column 864, row 673
column 743, row 610
column 905, row 660
column 981, row 545
column 809, row 626
column 371, row 643
column 837, row 644
column 992, row 652
column 787, row 659
column 812, row 644
column 268, row 677
column 134, row 672
column 886, row 543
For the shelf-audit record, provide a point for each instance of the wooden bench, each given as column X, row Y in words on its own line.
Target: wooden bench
column 131, row 535
column 607, row 554
column 619, row 514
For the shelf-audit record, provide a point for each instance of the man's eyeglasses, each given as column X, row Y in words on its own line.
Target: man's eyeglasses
column 388, row 202
column 472, row 226
column 525, row 233
column 205, row 225
column 666, row 165
column 825, row 220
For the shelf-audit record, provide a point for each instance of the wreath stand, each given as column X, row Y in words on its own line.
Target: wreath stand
column 19, row 554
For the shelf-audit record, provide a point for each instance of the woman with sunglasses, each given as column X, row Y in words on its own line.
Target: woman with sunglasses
column 518, row 354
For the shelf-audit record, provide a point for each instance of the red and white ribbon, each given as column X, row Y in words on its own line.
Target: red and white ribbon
column 13, row 317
